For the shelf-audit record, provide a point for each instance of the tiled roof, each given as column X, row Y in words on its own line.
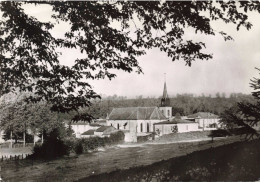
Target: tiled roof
column 103, row 128
column 174, row 121
column 204, row 115
column 136, row 113
column 89, row 132
column 94, row 124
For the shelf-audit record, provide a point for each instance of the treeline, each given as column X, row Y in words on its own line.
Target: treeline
column 184, row 104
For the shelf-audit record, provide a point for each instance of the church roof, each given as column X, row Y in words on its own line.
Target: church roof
column 203, row 115
column 136, row 113
column 165, row 94
column 165, row 101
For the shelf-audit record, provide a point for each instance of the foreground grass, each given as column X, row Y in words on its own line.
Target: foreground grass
column 73, row 168
column 237, row 161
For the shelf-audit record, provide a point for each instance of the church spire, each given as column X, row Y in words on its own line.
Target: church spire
column 165, row 101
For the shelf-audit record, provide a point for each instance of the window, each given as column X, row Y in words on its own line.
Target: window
column 141, row 127
column 118, row 126
column 147, row 127
column 111, row 124
column 169, row 113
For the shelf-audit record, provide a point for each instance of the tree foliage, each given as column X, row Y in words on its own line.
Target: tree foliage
column 246, row 114
column 17, row 116
column 30, row 61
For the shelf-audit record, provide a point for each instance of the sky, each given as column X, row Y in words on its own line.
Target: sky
column 230, row 70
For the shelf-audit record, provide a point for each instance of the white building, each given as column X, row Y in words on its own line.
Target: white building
column 206, row 120
column 83, row 126
column 135, row 119
column 105, row 131
column 175, row 126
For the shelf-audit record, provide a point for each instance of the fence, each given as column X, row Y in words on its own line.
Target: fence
column 17, row 145
column 13, row 157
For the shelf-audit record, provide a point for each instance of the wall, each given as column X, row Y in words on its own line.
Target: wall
column 167, row 111
column 120, row 123
column 130, row 137
column 182, row 128
column 205, row 122
column 164, row 129
column 187, row 127
column 133, row 125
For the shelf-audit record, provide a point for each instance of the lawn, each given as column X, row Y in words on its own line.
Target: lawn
column 233, row 162
column 107, row 160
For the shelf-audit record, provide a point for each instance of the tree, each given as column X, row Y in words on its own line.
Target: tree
column 246, row 114
column 30, row 61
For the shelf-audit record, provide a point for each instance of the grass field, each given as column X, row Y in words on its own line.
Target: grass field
column 104, row 161
column 234, row 162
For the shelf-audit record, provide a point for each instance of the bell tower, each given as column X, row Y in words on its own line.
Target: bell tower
column 165, row 102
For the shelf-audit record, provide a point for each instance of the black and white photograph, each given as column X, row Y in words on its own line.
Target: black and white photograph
column 129, row 91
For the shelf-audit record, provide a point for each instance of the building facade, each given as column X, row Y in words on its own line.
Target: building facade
column 135, row 119
column 206, row 120
column 175, row 126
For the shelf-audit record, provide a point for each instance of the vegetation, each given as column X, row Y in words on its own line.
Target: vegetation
column 30, row 58
column 55, row 146
column 184, row 104
column 245, row 114
column 233, row 162
column 87, row 144
column 22, row 120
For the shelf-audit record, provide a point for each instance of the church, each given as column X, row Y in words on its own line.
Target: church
column 141, row 119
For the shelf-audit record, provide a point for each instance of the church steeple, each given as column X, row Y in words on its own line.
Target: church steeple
column 165, row 101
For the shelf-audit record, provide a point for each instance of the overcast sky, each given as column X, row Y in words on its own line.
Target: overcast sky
column 229, row 71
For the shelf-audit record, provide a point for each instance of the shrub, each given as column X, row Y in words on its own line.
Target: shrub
column 52, row 147
column 78, row 147
column 93, row 143
column 146, row 138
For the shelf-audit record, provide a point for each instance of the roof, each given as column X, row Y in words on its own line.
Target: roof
column 203, row 115
column 103, row 128
column 89, row 132
column 79, row 123
column 94, row 124
column 174, row 121
column 136, row 113
column 165, row 95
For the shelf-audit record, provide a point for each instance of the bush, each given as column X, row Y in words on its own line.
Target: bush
column 93, row 143
column 146, row 138
column 52, row 147
column 78, row 147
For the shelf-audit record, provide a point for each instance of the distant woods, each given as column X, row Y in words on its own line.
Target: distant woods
column 183, row 104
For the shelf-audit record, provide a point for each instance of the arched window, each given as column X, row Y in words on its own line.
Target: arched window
column 118, row 126
column 141, row 127
column 147, row 127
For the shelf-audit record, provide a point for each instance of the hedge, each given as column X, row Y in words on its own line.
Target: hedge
column 88, row 144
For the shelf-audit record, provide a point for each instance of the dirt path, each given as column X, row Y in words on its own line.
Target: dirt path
column 110, row 159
